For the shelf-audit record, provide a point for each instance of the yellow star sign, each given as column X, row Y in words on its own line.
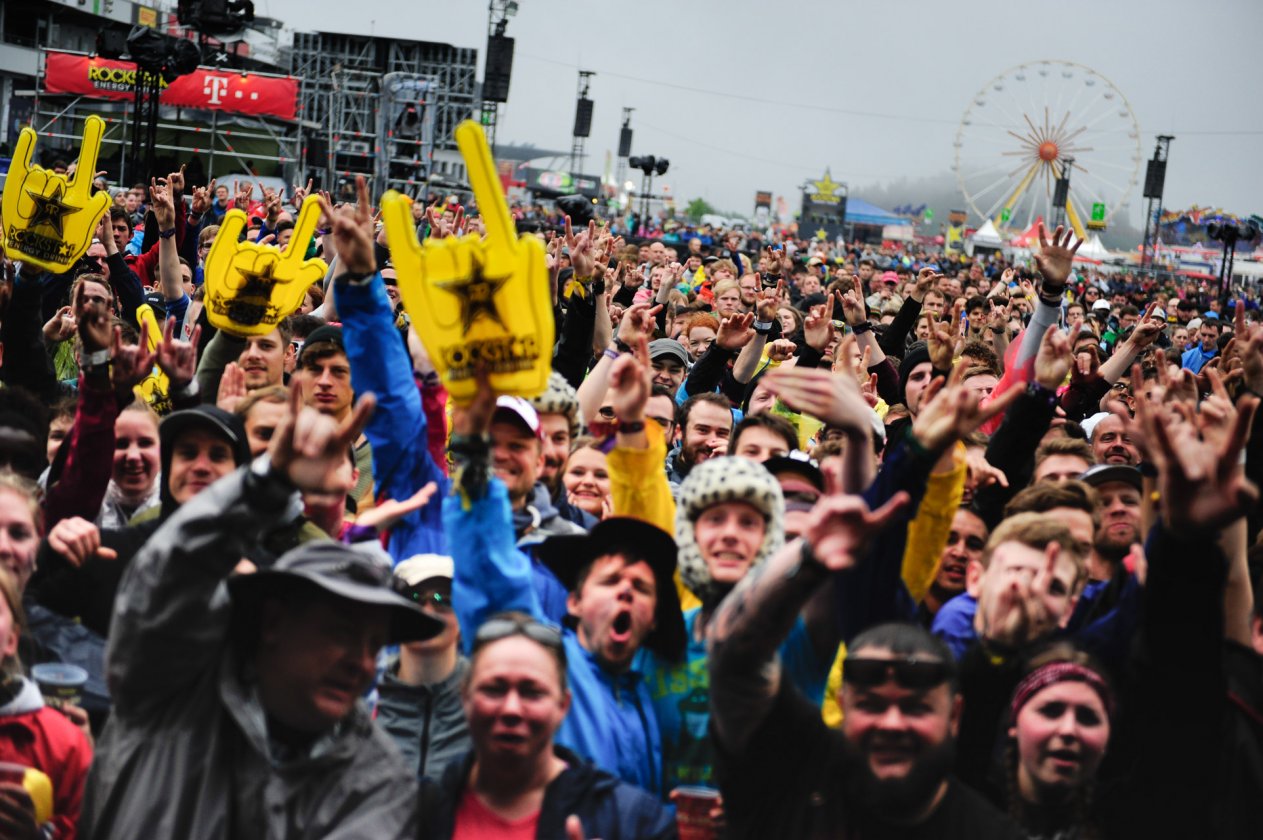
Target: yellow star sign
column 824, row 191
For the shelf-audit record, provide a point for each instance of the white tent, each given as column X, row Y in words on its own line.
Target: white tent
column 1093, row 249
column 987, row 236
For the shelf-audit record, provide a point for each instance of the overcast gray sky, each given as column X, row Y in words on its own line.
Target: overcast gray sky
column 746, row 95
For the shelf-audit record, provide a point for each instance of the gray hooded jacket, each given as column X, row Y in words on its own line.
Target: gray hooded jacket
column 186, row 753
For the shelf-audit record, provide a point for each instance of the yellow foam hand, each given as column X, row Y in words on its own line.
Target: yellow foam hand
column 250, row 288
column 49, row 219
column 476, row 302
column 154, row 389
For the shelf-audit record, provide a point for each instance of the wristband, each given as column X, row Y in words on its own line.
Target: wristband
column 862, row 327
column 96, row 359
column 166, row 234
column 188, row 392
column 611, row 353
column 353, row 276
column 621, row 346
column 469, row 445
column 763, row 327
column 1039, row 392
column 808, row 564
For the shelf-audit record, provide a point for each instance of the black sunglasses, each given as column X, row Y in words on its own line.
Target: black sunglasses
column 495, row 629
column 907, row 672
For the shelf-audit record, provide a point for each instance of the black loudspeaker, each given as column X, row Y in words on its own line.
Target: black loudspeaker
column 583, row 118
column 345, row 160
column 1155, row 176
column 624, row 141
column 1061, row 192
column 495, row 87
column 317, row 154
column 111, row 43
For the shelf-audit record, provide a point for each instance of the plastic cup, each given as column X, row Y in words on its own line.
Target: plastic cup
column 692, row 812
column 60, row 682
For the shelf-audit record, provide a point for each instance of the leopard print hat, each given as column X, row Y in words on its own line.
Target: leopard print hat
column 719, row 480
column 559, row 398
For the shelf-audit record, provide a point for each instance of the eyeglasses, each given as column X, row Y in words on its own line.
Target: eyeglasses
column 907, row 672
column 502, row 627
column 425, row 596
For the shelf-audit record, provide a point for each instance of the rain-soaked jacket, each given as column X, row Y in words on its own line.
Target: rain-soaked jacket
column 186, row 753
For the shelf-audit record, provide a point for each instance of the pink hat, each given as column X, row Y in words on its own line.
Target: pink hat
column 890, row 277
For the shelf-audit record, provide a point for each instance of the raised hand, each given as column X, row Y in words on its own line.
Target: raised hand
column 832, row 398
column 49, row 219
column 926, row 278
column 386, row 513
column 161, row 204
column 818, row 329
column 950, row 411
column 637, row 322
column 310, row 448
column 130, row 363
column 241, row 200
column 735, row 332
column 1054, row 358
column 61, row 326
column 781, row 350
column 299, row 193
column 78, row 540
column 853, row 309
column 351, row 226
column 472, row 295
column 1056, row 258
column 1200, row 480
column 768, row 301
column 251, row 287
column 178, row 359
column 631, row 383
column 202, row 198
column 95, row 330
column 232, row 387
column 175, row 182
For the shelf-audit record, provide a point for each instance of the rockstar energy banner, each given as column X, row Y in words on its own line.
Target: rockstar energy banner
column 204, row 88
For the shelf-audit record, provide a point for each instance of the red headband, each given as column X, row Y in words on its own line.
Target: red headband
column 1055, row 672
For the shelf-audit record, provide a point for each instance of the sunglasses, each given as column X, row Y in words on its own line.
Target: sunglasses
column 495, row 629
column 425, row 596
column 907, row 672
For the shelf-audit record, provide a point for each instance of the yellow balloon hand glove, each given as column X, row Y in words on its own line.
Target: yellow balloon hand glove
column 49, row 219
column 250, row 288
column 154, row 389
column 475, row 301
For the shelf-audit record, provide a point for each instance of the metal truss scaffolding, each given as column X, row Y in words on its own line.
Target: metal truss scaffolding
column 383, row 108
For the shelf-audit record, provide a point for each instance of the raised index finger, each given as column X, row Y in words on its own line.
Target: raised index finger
column 481, row 169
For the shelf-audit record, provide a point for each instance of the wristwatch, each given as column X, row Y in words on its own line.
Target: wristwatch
column 862, row 327
column 763, row 327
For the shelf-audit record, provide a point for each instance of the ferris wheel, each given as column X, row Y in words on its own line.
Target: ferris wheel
column 1030, row 124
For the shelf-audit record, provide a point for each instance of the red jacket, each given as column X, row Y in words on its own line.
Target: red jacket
column 34, row 735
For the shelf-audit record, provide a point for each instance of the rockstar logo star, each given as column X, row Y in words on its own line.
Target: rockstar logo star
column 477, row 297
column 49, row 209
column 824, row 191
column 822, row 234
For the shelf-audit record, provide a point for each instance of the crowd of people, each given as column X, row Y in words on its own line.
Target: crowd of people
column 803, row 539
